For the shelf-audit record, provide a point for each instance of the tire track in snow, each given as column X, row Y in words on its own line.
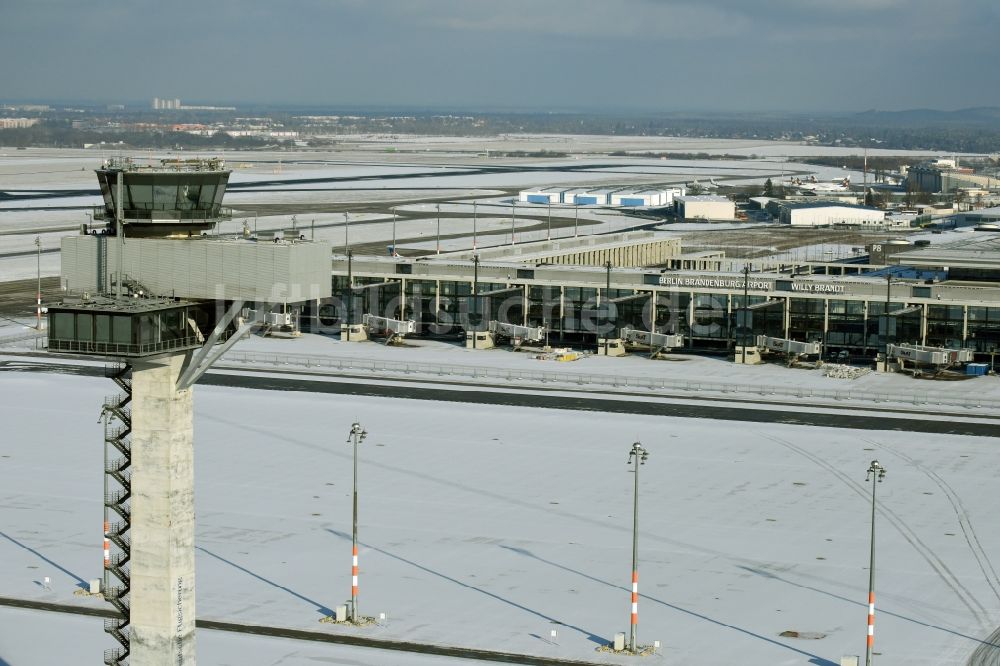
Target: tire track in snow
column 968, row 599
column 964, row 522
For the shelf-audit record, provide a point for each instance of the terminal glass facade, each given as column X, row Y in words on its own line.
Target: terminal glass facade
column 707, row 320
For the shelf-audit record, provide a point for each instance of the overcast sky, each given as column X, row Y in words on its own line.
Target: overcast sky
column 845, row 55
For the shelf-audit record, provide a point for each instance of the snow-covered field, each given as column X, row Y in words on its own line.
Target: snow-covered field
column 676, row 369
column 82, row 641
column 489, row 526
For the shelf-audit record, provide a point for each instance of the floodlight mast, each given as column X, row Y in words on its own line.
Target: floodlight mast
column 885, row 318
column 349, row 306
column 607, row 304
column 38, row 293
column 475, row 297
column 876, row 472
column 513, row 209
column 637, row 456
column 746, row 311
column 356, row 435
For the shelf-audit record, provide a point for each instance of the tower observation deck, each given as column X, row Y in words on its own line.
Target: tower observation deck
column 171, row 198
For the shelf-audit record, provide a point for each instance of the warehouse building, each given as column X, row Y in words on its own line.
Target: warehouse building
column 825, row 214
column 704, row 207
column 944, row 177
column 646, row 198
column 617, row 197
column 987, row 216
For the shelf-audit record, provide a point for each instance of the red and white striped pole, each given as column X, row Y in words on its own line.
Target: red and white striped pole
column 637, row 455
column 354, row 576
column 357, row 435
column 871, row 623
column 876, row 473
column 635, row 599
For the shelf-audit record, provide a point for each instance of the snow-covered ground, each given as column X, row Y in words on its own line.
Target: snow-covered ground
column 25, row 267
column 488, row 526
column 700, row 373
column 82, row 641
column 677, row 374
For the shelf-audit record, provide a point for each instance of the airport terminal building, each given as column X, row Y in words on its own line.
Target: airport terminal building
column 947, row 296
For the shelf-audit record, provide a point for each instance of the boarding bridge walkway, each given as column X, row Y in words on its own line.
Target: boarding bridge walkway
column 656, row 342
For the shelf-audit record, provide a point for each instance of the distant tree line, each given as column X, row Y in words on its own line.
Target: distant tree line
column 975, row 134
column 527, row 153
column 857, row 162
column 64, row 135
column 842, row 131
column 681, row 156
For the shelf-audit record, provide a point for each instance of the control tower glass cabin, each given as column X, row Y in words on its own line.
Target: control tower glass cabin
column 176, row 198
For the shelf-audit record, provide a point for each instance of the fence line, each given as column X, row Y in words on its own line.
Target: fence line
column 20, row 337
column 939, row 397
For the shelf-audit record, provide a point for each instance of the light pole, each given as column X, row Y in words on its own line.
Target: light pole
column 513, row 210
column 347, row 226
column 349, row 310
column 746, row 311
column 393, row 232
column 474, row 226
column 475, row 297
column 636, row 455
column 875, row 473
column 439, row 229
column 357, row 435
column 38, row 299
column 885, row 318
column 549, row 235
column 607, row 304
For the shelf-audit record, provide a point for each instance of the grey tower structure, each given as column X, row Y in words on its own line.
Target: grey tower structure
column 163, row 301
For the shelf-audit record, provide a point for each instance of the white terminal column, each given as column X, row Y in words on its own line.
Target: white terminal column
column 162, row 566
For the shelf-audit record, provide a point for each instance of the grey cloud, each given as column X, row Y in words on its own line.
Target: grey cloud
column 659, row 54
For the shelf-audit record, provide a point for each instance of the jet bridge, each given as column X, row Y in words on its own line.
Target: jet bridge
column 280, row 322
column 794, row 350
column 656, row 343
column 394, row 330
column 920, row 356
column 791, row 347
column 498, row 330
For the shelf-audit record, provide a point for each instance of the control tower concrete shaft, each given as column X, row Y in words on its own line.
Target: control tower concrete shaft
column 163, row 572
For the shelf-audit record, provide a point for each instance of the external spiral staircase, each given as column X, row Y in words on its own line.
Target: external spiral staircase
column 118, row 461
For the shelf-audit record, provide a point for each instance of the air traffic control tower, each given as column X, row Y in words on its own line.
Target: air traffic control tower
column 162, row 299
